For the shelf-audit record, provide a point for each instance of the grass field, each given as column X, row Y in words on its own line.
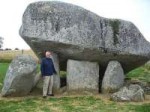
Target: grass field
column 142, row 73
column 69, row 104
column 7, row 56
column 97, row 103
column 3, row 70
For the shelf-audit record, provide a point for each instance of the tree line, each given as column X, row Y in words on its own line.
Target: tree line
column 1, row 45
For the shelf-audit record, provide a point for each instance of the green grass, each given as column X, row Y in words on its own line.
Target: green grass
column 142, row 73
column 3, row 70
column 70, row 104
column 63, row 73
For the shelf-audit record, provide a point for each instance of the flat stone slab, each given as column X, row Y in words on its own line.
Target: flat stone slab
column 76, row 33
column 82, row 76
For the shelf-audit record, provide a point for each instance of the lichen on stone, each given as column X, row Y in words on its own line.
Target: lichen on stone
column 115, row 27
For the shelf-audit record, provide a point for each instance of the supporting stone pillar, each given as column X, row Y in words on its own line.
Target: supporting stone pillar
column 82, row 76
column 113, row 78
column 56, row 86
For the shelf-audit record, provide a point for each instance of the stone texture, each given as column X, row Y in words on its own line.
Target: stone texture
column 144, row 85
column 113, row 77
column 76, row 33
column 36, row 79
column 82, row 76
column 56, row 86
column 131, row 93
column 20, row 77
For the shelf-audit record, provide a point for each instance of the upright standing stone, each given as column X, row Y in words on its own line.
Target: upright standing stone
column 56, row 85
column 82, row 76
column 20, row 77
column 113, row 77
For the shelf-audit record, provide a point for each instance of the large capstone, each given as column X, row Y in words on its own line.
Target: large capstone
column 20, row 77
column 82, row 76
column 76, row 33
column 113, row 77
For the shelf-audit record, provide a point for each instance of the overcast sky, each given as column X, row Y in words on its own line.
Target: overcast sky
column 136, row 11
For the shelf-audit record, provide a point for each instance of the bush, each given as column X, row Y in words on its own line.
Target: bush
column 5, row 60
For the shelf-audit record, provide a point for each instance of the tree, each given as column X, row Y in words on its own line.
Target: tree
column 8, row 49
column 1, row 42
column 16, row 49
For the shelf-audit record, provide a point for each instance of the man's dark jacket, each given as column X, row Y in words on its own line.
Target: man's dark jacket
column 47, row 67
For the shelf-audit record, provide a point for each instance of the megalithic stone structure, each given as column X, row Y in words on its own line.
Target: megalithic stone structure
column 76, row 33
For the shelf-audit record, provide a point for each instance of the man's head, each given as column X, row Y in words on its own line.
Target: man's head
column 47, row 54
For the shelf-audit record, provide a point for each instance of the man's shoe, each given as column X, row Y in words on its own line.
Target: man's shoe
column 44, row 97
column 50, row 94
